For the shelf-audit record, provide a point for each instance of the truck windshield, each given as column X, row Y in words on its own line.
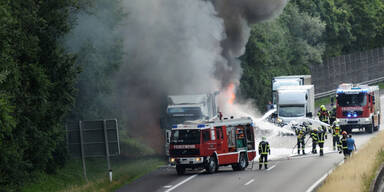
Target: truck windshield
column 350, row 100
column 178, row 115
column 291, row 111
column 184, row 110
column 185, row 137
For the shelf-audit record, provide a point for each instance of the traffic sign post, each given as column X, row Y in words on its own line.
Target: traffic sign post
column 99, row 138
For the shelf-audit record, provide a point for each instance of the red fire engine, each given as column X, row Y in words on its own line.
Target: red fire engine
column 210, row 144
column 358, row 106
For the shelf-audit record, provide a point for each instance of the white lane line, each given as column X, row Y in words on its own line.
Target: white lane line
column 273, row 166
column 249, row 182
column 318, row 182
column 168, row 186
column 182, row 182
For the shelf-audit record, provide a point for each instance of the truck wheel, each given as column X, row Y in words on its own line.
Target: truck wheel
column 242, row 162
column 180, row 170
column 235, row 167
column 212, row 165
column 369, row 128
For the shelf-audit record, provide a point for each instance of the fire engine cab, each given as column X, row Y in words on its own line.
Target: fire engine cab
column 210, row 144
column 358, row 106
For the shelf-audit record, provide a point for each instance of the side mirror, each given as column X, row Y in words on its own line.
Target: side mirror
column 309, row 115
column 274, row 115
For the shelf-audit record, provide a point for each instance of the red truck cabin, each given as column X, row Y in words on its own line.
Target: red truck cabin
column 212, row 144
column 357, row 107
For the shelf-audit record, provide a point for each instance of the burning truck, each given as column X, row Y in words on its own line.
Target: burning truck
column 210, row 144
column 183, row 108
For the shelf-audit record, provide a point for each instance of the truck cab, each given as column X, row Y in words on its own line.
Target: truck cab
column 210, row 144
column 295, row 102
column 357, row 107
column 183, row 108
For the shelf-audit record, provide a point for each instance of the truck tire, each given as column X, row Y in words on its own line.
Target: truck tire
column 180, row 169
column 243, row 163
column 211, row 166
column 346, row 128
column 369, row 128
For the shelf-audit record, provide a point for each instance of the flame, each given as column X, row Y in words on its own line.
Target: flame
column 231, row 93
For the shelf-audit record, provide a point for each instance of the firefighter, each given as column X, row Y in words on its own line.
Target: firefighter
column 314, row 136
column 300, row 133
column 264, row 150
column 323, row 115
column 344, row 144
column 336, row 132
column 321, row 136
column 332, row 115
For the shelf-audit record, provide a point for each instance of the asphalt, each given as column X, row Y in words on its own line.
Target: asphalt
column 288, row 172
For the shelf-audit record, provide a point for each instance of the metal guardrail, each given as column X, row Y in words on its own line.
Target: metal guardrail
column 333, row 91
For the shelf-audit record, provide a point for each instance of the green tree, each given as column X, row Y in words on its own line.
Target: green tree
column 36, row 87
column 287, row 45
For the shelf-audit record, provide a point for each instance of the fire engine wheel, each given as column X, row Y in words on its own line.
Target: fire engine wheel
column 242, row 163
column 180, row 170
column 211, row 165
column 370, row 128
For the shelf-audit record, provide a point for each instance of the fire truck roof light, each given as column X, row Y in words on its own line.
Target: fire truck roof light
column 349, row 115
column 355, row 115
column 200, row 125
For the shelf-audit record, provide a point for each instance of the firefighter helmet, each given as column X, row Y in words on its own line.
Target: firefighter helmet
column 315, row 129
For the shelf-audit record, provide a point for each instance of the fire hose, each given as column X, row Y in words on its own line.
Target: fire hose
column 304, row 144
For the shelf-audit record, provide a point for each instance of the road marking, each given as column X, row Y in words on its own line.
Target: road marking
column 318, row 182
column 249, row 182
column 273, row 166
column 182, row 182
column 168, row 186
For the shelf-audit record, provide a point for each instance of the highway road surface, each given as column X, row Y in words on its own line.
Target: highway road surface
column 287, row 172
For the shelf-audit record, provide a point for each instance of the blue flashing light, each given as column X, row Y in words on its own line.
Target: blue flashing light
column 349, row 115
column 174, row 126
column 339, row 91
column 200, row 126
column 355, row 115
column 355, row 88
column 364, row 91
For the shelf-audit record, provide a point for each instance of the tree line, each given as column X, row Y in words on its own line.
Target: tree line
column 303, row 35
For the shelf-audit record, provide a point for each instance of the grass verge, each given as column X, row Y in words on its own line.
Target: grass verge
column 381, row 85
column 322, row 101
column 357, row 172
column 70, row 178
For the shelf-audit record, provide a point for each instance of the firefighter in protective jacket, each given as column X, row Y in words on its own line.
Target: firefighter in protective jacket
column 321, row 135
column 344, row 144
column 336, row 133
column 264, row 150
column 300, row 133
column 332, row 115
column 314, row 137
column 323, row 115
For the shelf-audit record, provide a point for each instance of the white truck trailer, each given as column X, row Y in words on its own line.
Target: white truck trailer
column 293, row 80
column 295, row 102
